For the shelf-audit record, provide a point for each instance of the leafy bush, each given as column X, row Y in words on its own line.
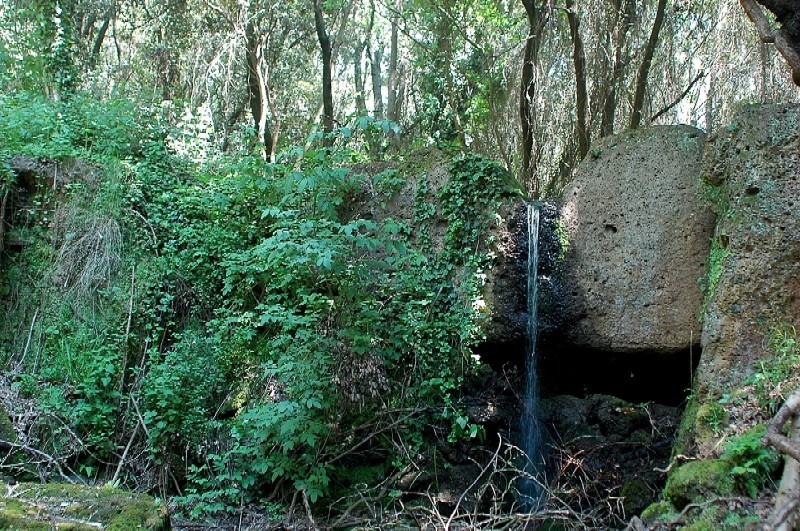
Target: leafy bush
column 248, row 323
column 753, row 462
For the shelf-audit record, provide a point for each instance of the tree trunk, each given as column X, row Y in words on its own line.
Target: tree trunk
column 709, row 114
column 101, row 35
column 610, row 101
column 444, row 30
column 377, row 84
column 257, row 87
column 787, row 38
column 399, row 103
column 358, row 75
column 358, row 70
column 644, row 67
column 327, row 69
column 527, row 101
column 391, row 112
column 581, row 92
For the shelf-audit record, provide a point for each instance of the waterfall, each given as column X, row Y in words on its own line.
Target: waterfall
column 531, row 489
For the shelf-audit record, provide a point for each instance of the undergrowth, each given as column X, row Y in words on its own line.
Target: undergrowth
column 224, row 330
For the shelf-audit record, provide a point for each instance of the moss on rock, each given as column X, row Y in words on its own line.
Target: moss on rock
column 699, row 480
column 75, row 507
column 658, row 511
column 688, row 428
column 636, row 495
column 14, row 515
column 710, row 420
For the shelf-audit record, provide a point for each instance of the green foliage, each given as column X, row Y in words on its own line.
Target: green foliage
column 177, row 404
column 249, row 325
column 776, row 377
column 563, row 239
column 79, row 128
column 753, row 462
column 470, row 200
column 718, row 198
column 716, row 263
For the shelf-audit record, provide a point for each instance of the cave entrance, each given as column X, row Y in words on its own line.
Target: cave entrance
column 636, row 377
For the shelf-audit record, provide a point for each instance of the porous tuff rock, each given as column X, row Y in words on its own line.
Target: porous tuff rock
column 639, row 238
column 755, row 162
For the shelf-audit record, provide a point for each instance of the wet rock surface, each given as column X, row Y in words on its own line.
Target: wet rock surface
column 609, row 449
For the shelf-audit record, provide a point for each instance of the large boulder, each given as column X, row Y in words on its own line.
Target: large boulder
column 753, row 170
column 639, row 236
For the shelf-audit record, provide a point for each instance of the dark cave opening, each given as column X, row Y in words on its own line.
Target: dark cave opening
column 636, row 377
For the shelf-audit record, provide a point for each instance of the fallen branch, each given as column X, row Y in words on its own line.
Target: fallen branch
column 492, row 462
column 787, row 501
column 47, row 457
column 774, row 437
column 677, row 460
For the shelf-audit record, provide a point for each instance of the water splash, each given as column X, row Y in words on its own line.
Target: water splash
column 531, row 488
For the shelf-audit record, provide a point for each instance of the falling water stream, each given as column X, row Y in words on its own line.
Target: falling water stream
column 530, row 487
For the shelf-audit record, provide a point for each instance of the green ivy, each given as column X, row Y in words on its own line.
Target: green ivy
column 716, row 263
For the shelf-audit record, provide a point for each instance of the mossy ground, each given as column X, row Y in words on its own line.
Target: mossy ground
column 74, row 507
column 697, row 481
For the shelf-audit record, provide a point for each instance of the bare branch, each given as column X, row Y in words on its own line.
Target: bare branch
column 677, row 100
column 47, row 457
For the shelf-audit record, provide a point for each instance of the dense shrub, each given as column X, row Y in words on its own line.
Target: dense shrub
column 250, row 334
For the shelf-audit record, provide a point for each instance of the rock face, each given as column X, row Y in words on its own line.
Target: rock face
column 639, row 237
column 753, row 168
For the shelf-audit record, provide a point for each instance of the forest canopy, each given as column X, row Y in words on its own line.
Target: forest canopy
column 450, row 72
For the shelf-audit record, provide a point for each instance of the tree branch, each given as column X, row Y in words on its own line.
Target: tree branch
column 769, row 34
column 666, row 109
column 787, row 501
column 47, row 457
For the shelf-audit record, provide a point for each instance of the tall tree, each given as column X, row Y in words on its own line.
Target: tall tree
column 393, row 107
column 581, row 91
column 326, row 49
column 625, row 11
column 537, row 14
column 644, row 66
column 258, row 88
